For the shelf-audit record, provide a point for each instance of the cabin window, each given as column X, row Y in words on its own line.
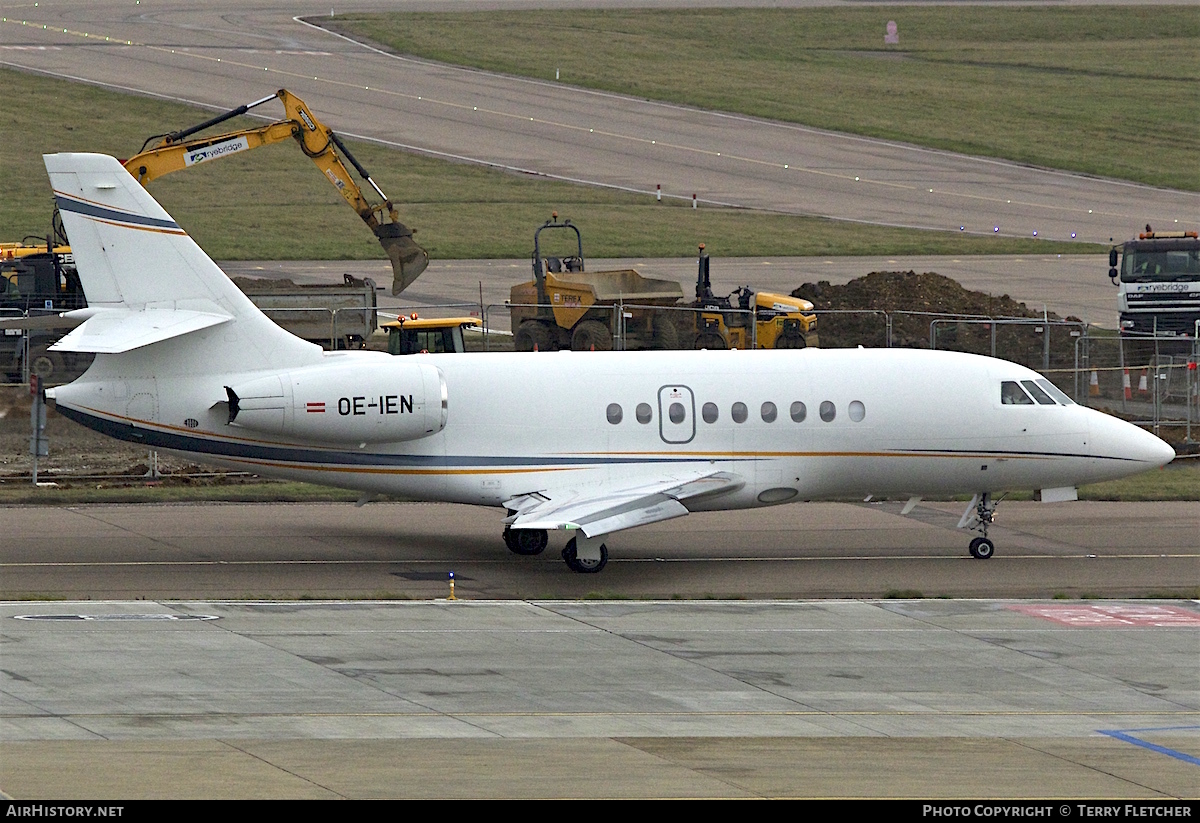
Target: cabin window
column 1011, row 394
column 1038, row 395
column 768, row 412
column 614, row 413
column 828, row 411
column 739, row 412
column 676, row 413
column 799, row 411
column 857, row 411
column 709, row 412
column 1054, row 391
column 643, row 412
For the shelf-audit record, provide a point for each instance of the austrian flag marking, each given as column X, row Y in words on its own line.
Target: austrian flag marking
column 315, row 408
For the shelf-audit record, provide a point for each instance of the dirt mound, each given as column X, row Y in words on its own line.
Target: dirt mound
column 894, row 291
column 854, row 314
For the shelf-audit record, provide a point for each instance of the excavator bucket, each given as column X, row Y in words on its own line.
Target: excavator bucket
column 408, row 258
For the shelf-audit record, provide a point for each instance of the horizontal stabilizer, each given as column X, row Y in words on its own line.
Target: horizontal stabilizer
column 601, row 510
column 110, row 331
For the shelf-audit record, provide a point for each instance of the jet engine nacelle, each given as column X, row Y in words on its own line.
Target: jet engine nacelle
column 392, row 399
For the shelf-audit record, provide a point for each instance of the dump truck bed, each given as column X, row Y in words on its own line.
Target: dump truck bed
column 624, row 285
column 332, row 315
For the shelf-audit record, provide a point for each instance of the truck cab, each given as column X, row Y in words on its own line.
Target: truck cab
column 434, row 335
column 1158, row 277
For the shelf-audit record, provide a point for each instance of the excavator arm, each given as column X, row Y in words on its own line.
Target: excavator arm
column 173, row 152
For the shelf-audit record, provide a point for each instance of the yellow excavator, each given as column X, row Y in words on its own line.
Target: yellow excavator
column 165, row 153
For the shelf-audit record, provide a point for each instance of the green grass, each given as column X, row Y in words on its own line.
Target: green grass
column 272, row 204
column 1179, row 480
column 1105, row 90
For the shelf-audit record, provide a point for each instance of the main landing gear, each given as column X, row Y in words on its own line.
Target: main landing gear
column 525, row 541
column 980, row 513
column 582, row 554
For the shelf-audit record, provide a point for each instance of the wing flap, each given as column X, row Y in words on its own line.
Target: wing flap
column 604, row 509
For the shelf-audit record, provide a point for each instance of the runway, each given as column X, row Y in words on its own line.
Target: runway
column 407, row 550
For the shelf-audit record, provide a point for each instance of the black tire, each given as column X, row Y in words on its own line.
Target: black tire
column 533, row 333
column 666, row 336
column 591, row 335
column 584, row 566
column 49, row 366
column 710, row 341
column 790, row 341
column 982, row 548
column 526, row 541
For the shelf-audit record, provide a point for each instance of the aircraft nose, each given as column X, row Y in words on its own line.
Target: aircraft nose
column 1116, row 438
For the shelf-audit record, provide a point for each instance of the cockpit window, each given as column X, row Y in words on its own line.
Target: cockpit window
column 1055, row 392
column 1040, row 396
column 1011, row 394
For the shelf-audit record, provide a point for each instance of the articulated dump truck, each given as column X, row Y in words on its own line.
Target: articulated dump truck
column 566, row 306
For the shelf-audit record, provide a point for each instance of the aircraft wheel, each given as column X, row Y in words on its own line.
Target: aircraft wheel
column 584, row 566
column 591, row 334
column 982, row 548
column 526, row 541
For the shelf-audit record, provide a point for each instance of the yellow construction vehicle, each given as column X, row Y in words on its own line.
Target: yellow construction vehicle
column 165, row 153
column 776, row 321
column 566, row 307
column 435, row 335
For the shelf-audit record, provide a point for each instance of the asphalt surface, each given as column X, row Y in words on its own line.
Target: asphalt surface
column 535, row 698
column 406, row 550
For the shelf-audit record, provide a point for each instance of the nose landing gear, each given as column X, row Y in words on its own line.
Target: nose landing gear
column 980, row 513
column 981, row 548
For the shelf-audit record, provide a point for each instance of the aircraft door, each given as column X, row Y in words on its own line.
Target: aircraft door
column 676, row 414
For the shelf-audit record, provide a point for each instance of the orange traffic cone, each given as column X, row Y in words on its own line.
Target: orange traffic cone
column 1128, row 389
column 1143, row 388
column 1094, row 384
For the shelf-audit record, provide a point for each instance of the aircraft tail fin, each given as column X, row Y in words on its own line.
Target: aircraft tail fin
column 145, row 279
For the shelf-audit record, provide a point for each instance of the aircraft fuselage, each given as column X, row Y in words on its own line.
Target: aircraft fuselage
column 795, row 425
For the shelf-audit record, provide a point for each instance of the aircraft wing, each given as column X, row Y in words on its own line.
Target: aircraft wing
column 606, row 508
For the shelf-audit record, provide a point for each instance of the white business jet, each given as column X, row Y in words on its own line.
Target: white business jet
column 587, row 443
